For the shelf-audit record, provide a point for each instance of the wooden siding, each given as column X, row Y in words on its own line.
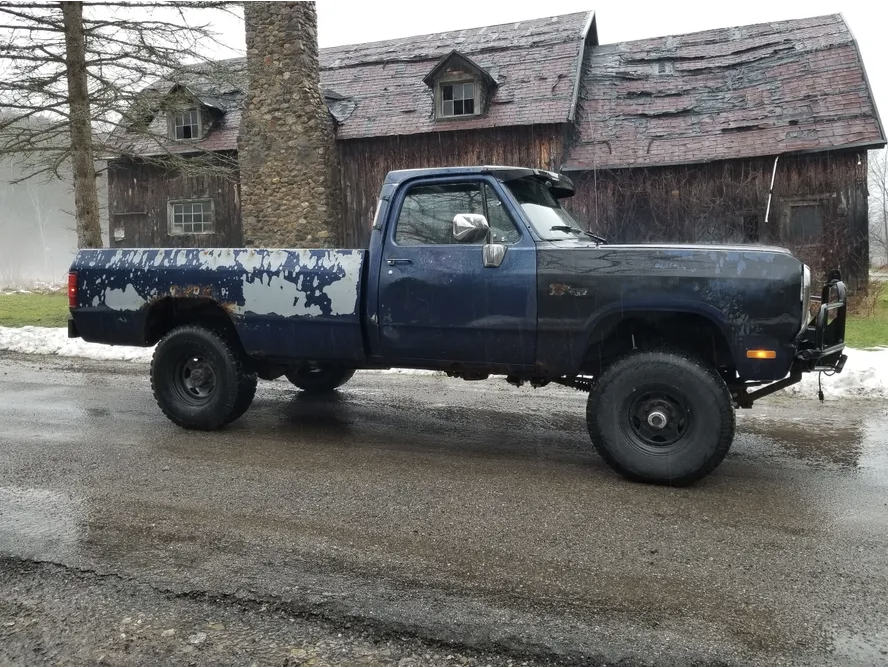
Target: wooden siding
column 726, row 202
column 711, row 203
column 138, row 198
column 365, row 162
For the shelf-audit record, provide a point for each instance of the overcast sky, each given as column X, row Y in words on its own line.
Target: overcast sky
column 353, row 21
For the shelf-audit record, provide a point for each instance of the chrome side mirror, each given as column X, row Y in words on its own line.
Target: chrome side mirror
column 470, row 228
column 493, row 255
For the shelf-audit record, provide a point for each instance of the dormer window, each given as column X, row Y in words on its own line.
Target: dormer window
column 458, row 99
column 461, row 87
column 185, row 124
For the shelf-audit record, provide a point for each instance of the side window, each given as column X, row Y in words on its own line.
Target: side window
column 504, row 230
column 426, row 217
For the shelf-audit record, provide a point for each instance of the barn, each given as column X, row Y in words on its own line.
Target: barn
column 753, row 134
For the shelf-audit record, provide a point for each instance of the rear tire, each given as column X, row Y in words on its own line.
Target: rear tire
column 319, row 379
column 661, row 417
column 199, row 380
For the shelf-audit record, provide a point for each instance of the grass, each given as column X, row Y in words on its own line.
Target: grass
column 40, row 309
column 869, row 331
column 51, row 310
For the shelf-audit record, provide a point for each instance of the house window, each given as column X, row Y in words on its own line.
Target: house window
column 191, row 217
column 457, row 99
column 185, row 124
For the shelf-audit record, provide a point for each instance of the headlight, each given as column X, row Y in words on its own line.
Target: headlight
column 806, row 295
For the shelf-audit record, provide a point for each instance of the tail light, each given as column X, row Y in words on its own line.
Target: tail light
column 72, row 289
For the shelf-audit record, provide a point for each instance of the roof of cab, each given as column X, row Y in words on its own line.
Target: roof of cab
column 501, row 172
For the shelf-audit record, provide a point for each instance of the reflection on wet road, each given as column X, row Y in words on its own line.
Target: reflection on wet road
column 463, row 511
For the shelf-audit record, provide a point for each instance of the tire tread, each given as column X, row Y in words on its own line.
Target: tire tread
column 633, row 361
column 238, row 400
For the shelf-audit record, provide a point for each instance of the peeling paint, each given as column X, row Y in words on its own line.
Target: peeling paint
column 284, row 283
column 126, row 299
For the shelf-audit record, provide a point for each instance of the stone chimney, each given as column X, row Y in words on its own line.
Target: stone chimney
column 286, row 149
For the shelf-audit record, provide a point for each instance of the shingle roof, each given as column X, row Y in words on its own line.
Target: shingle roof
column 754, row 90
column 377, row 89
column 535, row 64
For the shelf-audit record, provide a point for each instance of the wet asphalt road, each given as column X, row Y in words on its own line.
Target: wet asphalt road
column 445, row 513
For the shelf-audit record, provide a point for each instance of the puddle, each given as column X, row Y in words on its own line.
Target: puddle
column 854, row 443
column 39, row 523
column 861, row 649
column 873, row 460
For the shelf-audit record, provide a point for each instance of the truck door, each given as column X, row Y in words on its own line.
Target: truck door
column 437, row 300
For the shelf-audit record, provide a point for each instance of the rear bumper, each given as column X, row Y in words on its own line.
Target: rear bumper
column 821, row 345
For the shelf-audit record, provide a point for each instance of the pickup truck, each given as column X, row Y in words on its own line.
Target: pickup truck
column 479, row 271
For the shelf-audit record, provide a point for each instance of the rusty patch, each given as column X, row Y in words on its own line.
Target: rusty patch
column 192, row 291
column 561, row 289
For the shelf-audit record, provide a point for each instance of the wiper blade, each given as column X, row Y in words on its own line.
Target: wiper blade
column 568, row 228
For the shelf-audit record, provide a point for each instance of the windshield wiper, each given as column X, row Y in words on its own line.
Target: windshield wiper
column 568, row 228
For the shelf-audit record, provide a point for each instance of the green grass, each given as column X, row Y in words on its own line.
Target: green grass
column 869, row 331
column 37, row 308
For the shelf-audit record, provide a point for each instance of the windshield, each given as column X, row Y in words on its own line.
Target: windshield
column 549, row 220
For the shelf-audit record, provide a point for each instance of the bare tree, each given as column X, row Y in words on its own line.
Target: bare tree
column 73, row 76
column 878, row 205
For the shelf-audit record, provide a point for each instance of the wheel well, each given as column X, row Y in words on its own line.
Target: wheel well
column 690, row 332
column 165, row 314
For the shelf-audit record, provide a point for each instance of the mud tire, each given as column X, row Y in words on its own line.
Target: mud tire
column 633, row 396
column 199, row 378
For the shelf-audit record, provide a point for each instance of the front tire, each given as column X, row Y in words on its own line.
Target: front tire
column 199, row 380
column 661, row 417
column 319, row 379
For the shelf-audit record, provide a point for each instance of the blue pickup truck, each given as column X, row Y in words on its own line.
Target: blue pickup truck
column 477, row 271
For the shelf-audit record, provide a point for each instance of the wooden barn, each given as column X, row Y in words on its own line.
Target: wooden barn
column 754, row 134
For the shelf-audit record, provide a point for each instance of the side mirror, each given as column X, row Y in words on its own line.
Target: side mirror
column 470, row 228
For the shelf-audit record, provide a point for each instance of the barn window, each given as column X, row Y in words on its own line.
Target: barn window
column 458, row 99
column 191, row 217
column 185, row 124
column 460, row 86
column 805, row 223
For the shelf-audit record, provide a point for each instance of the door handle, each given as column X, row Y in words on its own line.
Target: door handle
column 398, row 260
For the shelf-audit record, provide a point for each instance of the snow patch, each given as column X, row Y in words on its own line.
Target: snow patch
column 865, row 376
column 55, row 341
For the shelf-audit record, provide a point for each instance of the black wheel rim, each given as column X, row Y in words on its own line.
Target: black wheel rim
column 657, row 418
column 195, row 379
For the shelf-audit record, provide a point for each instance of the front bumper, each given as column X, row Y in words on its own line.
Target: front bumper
column 820, row 346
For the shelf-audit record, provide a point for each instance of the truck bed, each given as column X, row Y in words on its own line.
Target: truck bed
column 283, row 303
